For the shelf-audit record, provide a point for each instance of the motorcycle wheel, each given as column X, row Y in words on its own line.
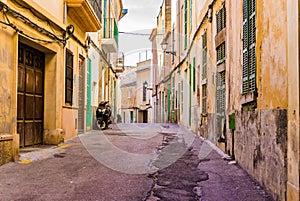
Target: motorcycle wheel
column 101, row 125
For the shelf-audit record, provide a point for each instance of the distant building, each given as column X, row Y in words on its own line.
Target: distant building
column 136, row 90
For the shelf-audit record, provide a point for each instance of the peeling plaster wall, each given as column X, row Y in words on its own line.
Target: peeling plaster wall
column 260, row 147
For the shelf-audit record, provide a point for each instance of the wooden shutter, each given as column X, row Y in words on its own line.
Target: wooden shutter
column 204, row 56
column 221, row 92
column 249, row 46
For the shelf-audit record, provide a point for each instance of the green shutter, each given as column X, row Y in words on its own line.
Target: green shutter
column 89, row 94
column 116, row 32
column 191, row 13
column 221, row 54
column 185, row 23
column 221, row 93
column 193, row 80
column 204, row 99
column 204, row 55
column 169, row 101
column 249, row 46
column 221, row 19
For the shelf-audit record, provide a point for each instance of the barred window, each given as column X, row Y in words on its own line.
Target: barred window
column 69, row 78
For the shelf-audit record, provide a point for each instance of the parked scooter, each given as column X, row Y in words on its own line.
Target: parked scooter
column 103, row 115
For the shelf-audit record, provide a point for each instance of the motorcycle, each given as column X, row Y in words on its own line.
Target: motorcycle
column 103, row 115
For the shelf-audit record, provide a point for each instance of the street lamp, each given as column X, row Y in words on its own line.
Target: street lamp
column 164, row 46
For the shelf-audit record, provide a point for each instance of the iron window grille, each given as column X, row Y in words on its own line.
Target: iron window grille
column 69, row 78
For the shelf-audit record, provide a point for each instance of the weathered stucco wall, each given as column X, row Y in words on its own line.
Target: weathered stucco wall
column 260, row 147
column 7, row 82
column 293, row 154
column 271, row 54
column 260, row 137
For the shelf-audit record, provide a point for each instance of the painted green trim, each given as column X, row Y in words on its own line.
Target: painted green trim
column 89, row 94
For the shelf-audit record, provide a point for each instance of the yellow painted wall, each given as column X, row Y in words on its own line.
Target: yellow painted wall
column 8, row 83
column 271, row 54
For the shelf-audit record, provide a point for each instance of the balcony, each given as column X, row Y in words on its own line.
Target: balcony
column 86, row 14
column 110, row 36
column 120, row 63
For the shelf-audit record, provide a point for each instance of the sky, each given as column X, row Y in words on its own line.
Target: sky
column 141, row 18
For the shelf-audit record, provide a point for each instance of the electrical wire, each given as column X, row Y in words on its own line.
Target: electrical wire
column 69, row 29
column 136, row 34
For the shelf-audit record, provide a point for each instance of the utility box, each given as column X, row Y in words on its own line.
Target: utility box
column 232, row 121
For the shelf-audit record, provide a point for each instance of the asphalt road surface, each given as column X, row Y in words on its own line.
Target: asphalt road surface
column 129, row 162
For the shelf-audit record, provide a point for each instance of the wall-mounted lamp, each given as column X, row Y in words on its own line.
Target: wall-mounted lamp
column 164, row 46
column 146, row 86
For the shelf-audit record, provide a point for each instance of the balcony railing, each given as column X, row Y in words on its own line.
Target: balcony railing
column 96, row 4
column 110, row 29
column 120, row 63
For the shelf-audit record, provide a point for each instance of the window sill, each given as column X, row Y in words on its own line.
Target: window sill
column 220, row 37
column 221, row 67
column 248, row 97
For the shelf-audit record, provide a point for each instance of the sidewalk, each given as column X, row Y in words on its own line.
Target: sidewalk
column 203, row 173
column 227, row 180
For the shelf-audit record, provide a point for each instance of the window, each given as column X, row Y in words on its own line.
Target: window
column 191, row 14
column 221, row 53
column 69, row 78
column 249, row 45
column 144, row 91
column 221, row 19
column 181, row 97
column 204, row 99
column 128, row 94
column 221, row 92
column 185, row 22
column 193, row 76
column 204, row 55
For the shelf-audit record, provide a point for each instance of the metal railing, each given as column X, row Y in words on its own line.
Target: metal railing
column 110, row 29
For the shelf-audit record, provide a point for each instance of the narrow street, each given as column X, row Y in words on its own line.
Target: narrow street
column 128, row 162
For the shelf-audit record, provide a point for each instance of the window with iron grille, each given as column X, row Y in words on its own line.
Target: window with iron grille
column 249, row 45
column 69, row 78
column 221, row 19
column 204, row 55
column 221, row 54
column 185, row 22
column 204, row 99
